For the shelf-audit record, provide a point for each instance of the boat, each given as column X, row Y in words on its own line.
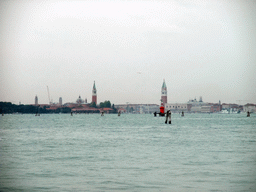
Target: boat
column 225, row 111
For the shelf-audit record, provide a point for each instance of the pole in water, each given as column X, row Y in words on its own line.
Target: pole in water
column 119, row 113
column 170, row 120
column 155, row 114
column 71, row 113
column 182, row 114
column 168, row 116
column 248, row 114
column 102, row 113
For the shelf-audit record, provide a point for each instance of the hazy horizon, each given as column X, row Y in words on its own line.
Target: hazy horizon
column 200, row 48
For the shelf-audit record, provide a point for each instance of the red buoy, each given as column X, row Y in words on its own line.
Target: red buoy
column 162, row 109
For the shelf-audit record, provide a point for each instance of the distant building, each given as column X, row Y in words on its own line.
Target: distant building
column 215, row 107
column 200, row 99
column 196, row 106
column 137, row 108
column 36, row 100
column 79, row 100
column 164, row 94
column 150, row 108
column 94, row 94
column 121, row 110
column 211, row 108
column 250, row 107
column 206, row 109
column 85, row 110
column 60, row 101
column 231, row 107
column 178, row 107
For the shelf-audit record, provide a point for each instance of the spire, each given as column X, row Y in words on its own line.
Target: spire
column 94, row 87
column 94, row 94
column 164, row 85
column 36, row 100
column 164, row 94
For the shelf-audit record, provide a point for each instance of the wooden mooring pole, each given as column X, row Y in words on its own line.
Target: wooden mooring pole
column 168, row 117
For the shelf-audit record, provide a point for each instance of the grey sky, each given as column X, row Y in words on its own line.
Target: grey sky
column 201, row 48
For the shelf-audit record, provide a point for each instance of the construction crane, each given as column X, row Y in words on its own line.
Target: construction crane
column 48, row 95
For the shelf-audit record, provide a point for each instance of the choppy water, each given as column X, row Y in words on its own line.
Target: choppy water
column 59, row 152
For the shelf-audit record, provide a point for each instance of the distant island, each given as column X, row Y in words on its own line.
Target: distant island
column 8, row 107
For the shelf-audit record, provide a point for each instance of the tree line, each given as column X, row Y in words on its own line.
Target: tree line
column 8, row 107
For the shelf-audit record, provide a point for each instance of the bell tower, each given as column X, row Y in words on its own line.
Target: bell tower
column 36, row 100
column 94, row 94
column 164, row 94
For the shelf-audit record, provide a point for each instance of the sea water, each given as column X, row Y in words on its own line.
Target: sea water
column 133, row 152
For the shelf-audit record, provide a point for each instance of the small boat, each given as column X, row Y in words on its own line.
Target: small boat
column 224, row 111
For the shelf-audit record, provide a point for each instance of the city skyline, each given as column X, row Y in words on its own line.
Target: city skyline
column 163, row 99
column 200, row 48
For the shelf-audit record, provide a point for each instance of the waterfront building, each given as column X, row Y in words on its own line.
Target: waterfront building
column 121, row 110
column 137, row 108
column 215, row 107
column 250, row 107
column 211, row 108
column 206, row 109
column 231, row 107
column 94, row 94
column 164, row 94
column 150, row 108
column 178, row 107
column 196, row 106
column 36, row 100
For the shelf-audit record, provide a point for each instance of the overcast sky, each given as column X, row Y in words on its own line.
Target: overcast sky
column 200, row 48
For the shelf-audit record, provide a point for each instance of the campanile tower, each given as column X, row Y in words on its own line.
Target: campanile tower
column 164, row 94
column 94, row 94
column 36, row 100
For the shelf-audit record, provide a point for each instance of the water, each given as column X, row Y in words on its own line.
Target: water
column 59, row 152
